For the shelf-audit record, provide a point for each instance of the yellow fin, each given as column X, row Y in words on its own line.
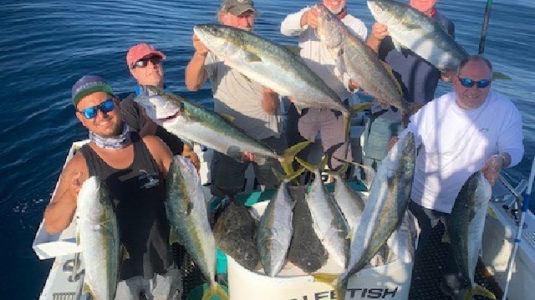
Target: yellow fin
column 228, row 117
column 288, row 156
column 360, row 107
column 491, row 212
column 481, row 291
column 391, row 74
column 214, row 290
column 446, row 237
column 332, row 280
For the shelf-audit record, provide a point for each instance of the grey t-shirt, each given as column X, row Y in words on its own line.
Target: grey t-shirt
column 240, row 98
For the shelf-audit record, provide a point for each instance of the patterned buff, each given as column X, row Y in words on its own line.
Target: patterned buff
column 115, row 142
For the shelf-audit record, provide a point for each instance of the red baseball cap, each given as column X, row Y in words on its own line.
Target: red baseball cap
column 139, row 51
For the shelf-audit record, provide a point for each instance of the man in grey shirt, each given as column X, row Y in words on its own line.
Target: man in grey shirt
column 252, row 107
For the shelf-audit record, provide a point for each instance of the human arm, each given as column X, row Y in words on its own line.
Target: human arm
column 192, row 156
column 292, row 24
column 195, row 72
column 379, row 32
column 59, row 213
column 494, row 165
column 160, row 152
column 270, row 101
column 510, row 143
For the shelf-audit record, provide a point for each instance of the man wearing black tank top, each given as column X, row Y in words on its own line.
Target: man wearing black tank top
column 133, row 169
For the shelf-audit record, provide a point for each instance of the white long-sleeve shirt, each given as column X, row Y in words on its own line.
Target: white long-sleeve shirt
column 316, row 55
column 457, row 142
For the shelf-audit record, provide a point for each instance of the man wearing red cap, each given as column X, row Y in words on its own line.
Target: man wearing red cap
column 254, row 108
column 145, row 64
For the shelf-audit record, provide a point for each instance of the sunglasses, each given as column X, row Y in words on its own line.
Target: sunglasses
column 142, row 63
column 105, row 107
column 468, row 82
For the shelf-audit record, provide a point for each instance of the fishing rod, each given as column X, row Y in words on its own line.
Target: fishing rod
column 518, row 238
column 486, row 19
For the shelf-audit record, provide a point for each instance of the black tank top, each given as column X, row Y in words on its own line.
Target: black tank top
column 138, row 194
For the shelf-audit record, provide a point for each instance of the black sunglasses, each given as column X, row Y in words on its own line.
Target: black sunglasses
column 142, row 63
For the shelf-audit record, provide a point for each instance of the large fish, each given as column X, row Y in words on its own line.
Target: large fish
column 328, row 222
column 386, row 205
column 351, row 203
column 361, row 63
column 275, row 231
column 413, row 30
column 465, row 228
column 194, row 123
column 270, row 65
column 234, row 234
column 98, row 237
column 188, row 218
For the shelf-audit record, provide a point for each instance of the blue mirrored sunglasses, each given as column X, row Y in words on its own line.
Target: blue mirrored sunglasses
column 469, row 82
column 105, row 107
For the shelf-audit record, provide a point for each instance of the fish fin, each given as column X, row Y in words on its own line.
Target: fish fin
column 339, row 286
column 500, row 76
column 480, row 291
column 87, row 290
column 294, row 49
column 251, row 58
column 289, row 154
column 360, row 107
column 367, row 168
column 124, row 253
column 174, row 237
column 391, row 74
column 306, row 165
column 397, row 45
column 190, row 207
column 446, row 237
column 214, row 289
column 228, row 117
column 347, row 122
column 342, row 170
column 289, row 177
column 310, row 167
column 491, row 213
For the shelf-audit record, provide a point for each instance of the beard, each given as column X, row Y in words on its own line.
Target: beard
column 335, row 10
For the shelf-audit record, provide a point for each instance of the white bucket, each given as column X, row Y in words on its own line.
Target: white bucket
column 391, row 281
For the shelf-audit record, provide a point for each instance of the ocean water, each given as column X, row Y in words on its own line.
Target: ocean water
column 45, row 46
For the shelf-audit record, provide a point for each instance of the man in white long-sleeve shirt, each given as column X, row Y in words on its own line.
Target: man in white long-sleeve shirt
column 330, row 124
column 470, row 129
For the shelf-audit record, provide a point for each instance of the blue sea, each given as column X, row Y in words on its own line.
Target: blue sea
column 45, row 46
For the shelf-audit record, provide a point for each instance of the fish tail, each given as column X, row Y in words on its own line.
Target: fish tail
column 347, row 123
column 215, row 290
column 339, row 285
column 480, row 291
column 288, row 156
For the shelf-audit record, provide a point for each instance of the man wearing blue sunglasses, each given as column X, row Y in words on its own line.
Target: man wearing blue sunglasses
column 461, row 132
column 133, row 169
